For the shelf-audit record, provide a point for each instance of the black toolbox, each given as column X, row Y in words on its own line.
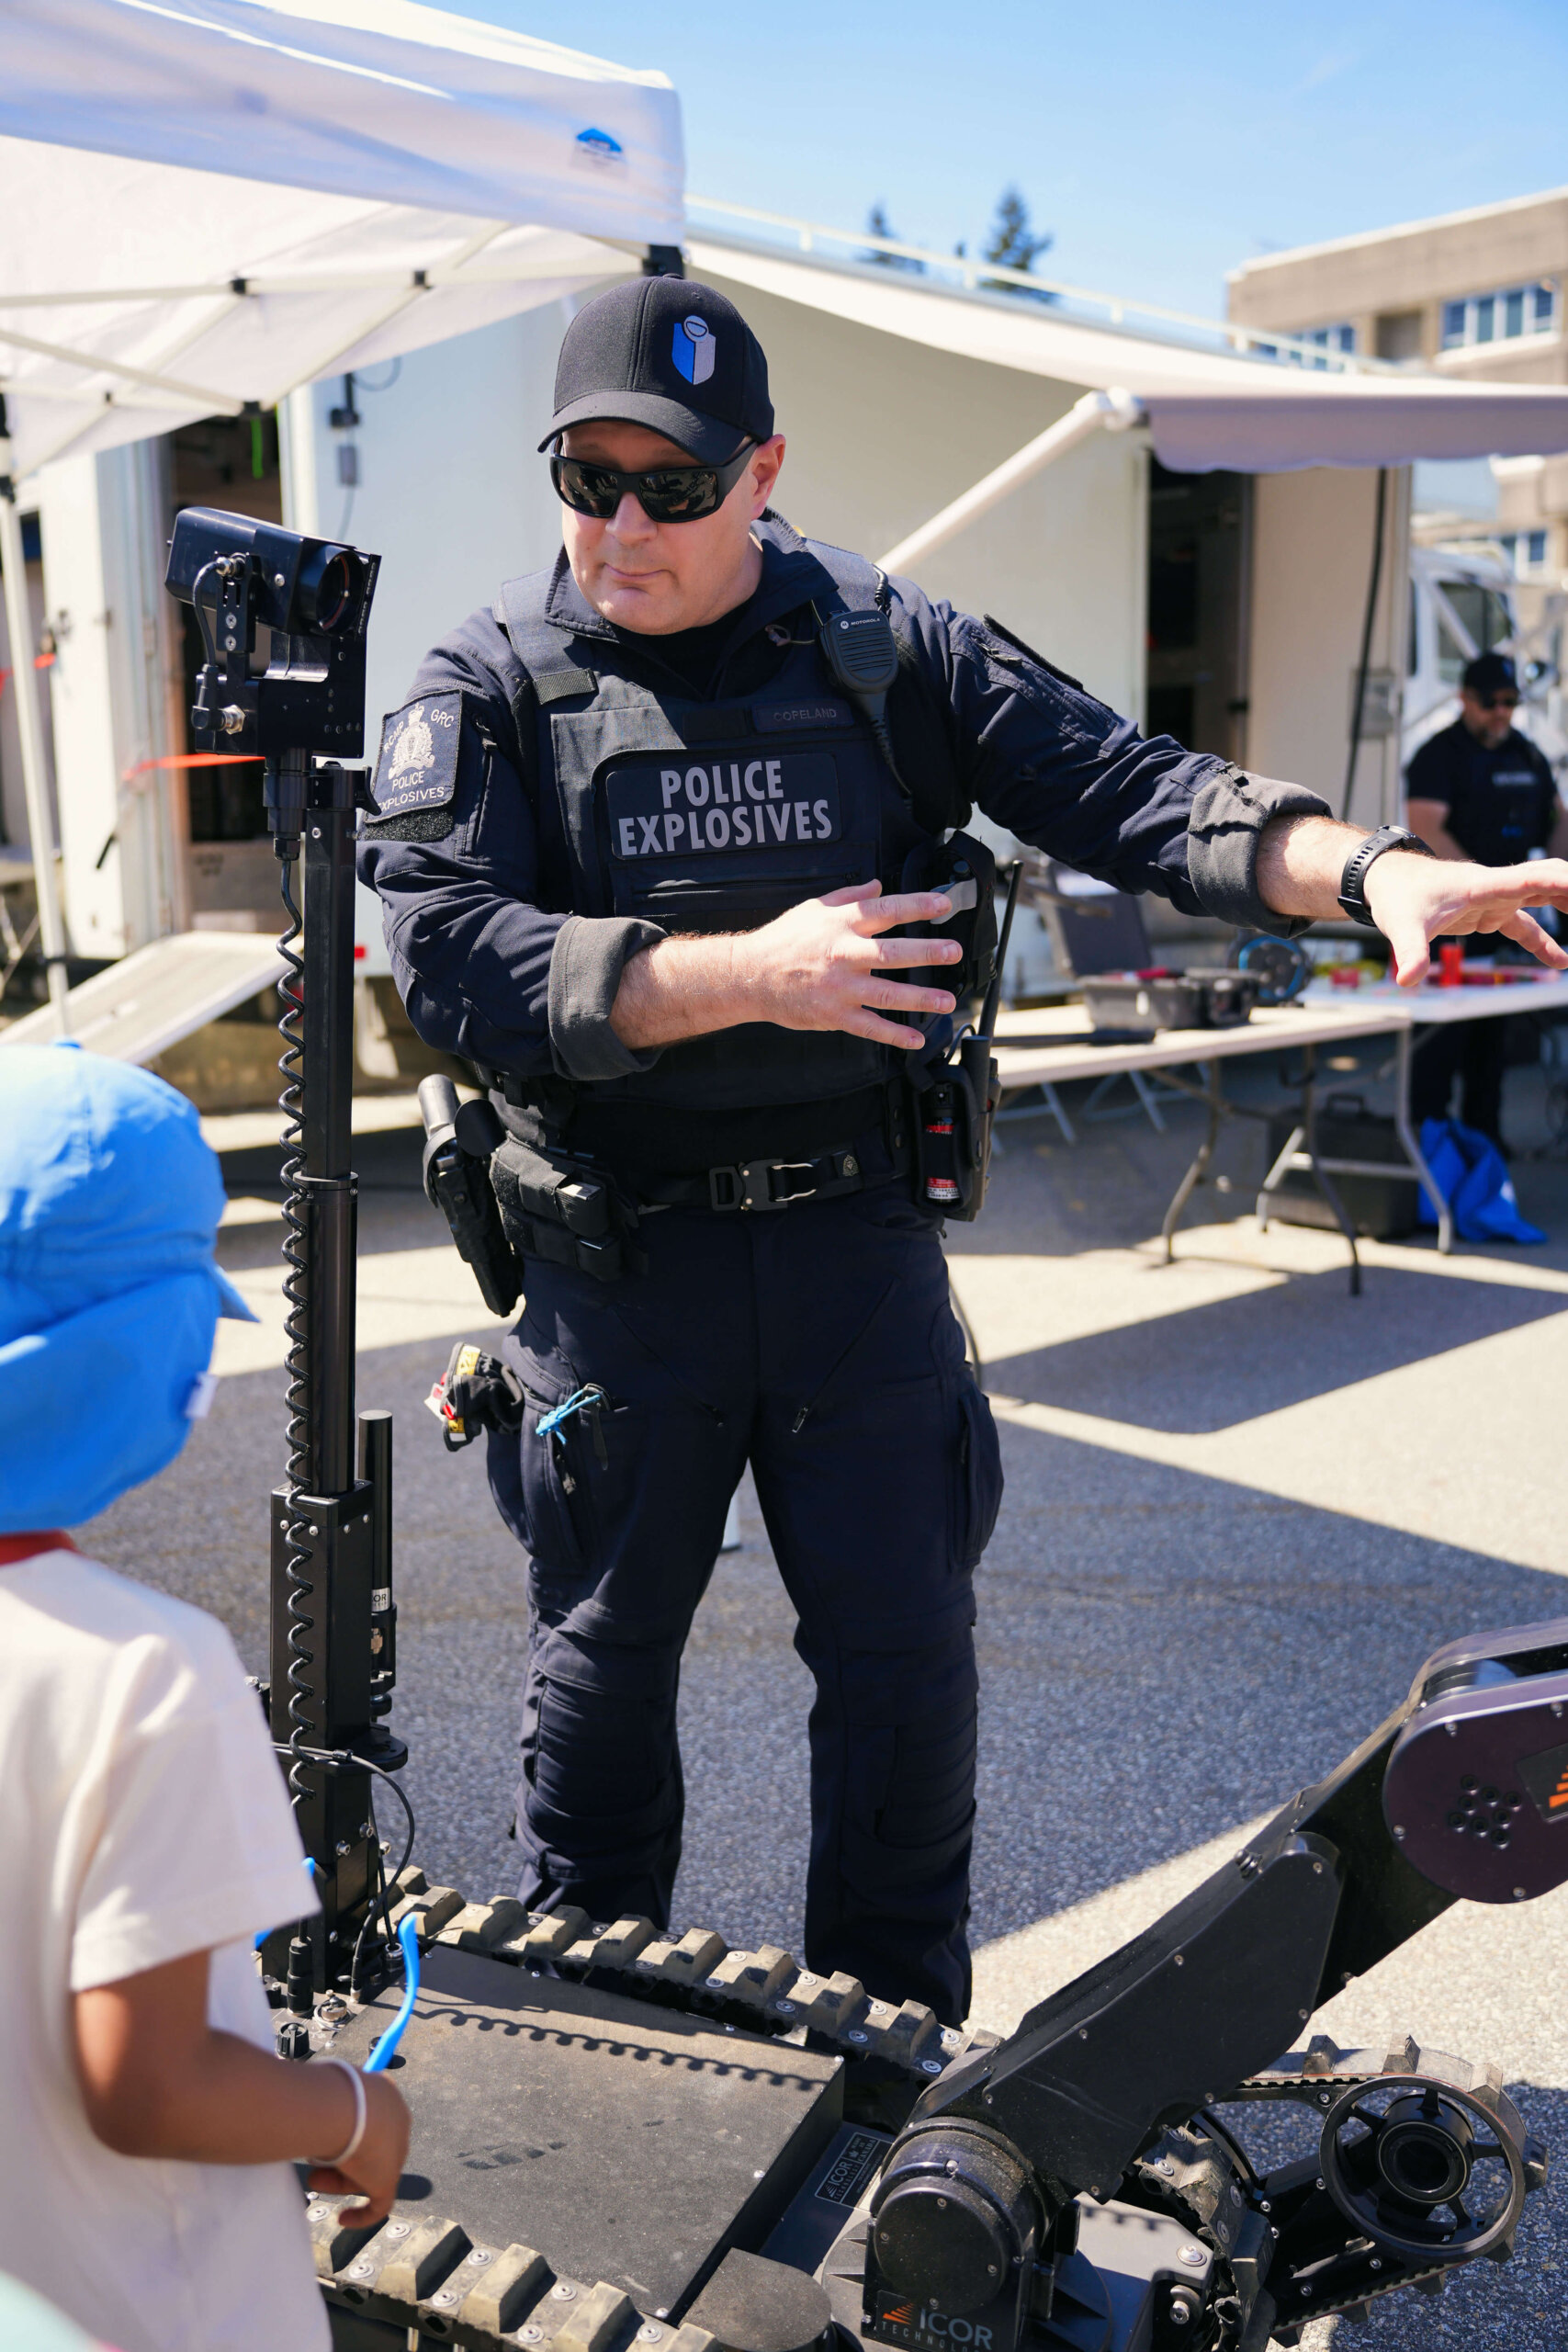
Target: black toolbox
column 1140, row 1003
column 1382, row 1208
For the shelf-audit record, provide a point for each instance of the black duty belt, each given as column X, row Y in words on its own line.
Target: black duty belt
column 779, row 1183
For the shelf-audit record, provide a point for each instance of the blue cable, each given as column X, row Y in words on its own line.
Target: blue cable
column 549, row 1422
column 381, row 2056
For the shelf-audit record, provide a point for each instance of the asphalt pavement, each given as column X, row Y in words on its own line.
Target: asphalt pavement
column 1242, row 1507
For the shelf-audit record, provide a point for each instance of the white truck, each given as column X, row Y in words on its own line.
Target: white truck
column 1465, row 602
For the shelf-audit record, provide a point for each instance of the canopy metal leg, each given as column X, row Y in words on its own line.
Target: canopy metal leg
column 29, row 728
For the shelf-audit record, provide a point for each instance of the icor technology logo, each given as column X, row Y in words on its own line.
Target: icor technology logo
column 695, row 346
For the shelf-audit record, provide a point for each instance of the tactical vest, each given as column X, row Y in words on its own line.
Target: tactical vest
column 709, row 817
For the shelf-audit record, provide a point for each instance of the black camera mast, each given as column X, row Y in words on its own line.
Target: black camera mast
column 332, row 1641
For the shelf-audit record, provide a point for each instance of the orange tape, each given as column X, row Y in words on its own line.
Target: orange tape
column 194, row 760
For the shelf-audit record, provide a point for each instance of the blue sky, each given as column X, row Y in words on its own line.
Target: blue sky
column 1161, row 143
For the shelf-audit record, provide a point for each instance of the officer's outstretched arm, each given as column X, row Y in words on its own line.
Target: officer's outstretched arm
column 822, row 965
column 1414, row 899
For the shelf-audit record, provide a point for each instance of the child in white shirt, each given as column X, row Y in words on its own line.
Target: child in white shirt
column 146, row 1837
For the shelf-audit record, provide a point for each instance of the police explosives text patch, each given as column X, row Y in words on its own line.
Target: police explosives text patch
column 673, row 805
column 417, row 764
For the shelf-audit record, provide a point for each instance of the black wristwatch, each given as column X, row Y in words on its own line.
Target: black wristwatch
column 1353, row 881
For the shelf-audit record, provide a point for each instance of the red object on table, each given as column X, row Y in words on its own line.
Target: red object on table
column 1451, row 957
column 1346, row 975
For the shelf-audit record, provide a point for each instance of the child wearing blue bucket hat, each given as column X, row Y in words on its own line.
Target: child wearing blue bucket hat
column 146, row 1837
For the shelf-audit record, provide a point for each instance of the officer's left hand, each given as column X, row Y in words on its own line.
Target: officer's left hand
column 1417, row 899
column 825, row 964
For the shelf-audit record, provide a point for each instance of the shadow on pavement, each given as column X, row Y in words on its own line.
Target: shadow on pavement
column 1164, row 1656
column 1206, row 1368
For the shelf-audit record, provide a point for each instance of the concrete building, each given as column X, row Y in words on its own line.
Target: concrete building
column 1468, row 295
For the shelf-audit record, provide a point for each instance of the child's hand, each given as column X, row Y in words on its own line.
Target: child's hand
column 373, row 2170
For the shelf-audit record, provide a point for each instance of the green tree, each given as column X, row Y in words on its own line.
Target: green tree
column 1012, row 243
column 878, row 225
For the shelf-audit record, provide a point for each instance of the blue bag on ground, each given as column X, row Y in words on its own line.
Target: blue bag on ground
column 1472, row 1175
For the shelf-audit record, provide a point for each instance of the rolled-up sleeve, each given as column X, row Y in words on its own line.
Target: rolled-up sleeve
column 483, row 969
column 590, row 955
column 1226, row 825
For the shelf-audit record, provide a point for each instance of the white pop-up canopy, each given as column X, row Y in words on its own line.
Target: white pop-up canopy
column 204, row 203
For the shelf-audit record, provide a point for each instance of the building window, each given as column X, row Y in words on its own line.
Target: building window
column 1526, row 551
column 1339, row 338
column 1501, row 317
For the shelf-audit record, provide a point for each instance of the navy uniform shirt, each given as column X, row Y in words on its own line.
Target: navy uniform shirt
column 1500, row 804
column 493, row 963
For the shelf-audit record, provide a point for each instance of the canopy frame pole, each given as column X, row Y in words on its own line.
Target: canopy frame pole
column 1115, row 411
column 30, row 729
column 85, row 426
column 325, row 362
column 92, row 364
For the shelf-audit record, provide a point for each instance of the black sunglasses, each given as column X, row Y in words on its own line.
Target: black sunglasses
column 1499, row 702
column 666, row 493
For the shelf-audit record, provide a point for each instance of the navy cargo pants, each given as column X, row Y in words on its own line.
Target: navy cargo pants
column 816, row 1342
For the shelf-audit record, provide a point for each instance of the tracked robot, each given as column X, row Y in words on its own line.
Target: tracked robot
column 628, row 2137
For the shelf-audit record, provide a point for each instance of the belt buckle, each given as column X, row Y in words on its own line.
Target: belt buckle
column 750, row 1185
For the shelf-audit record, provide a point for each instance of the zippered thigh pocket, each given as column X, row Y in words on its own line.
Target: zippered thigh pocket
column 564, row 1447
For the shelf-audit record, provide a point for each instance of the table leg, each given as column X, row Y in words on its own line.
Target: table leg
column 1195, row 1174
column 1319, row 1175
column 1278, row 1173
column 1411, row 1144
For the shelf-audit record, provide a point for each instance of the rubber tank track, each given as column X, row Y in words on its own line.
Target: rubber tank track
column 764, row 1990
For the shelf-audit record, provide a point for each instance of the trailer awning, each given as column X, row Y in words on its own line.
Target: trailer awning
column 1206, row 409
column 211, row 202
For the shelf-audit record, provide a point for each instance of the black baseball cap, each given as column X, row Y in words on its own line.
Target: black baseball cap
column 670, row 354
column 1491, row 673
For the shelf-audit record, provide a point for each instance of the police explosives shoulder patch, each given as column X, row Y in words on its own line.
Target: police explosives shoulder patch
column 417, row 765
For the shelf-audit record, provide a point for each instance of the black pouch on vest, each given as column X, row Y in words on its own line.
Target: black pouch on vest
column 965, row 869
column 951, row 1109
column 558, row 1210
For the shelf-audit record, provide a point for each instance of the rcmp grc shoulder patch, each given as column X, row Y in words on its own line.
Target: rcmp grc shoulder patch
column 417, row 764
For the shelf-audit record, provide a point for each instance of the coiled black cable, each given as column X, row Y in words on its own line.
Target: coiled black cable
column 297, row 1552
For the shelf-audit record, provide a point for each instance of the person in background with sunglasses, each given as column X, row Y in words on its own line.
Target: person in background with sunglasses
column 1481, row 792
column 661, row 863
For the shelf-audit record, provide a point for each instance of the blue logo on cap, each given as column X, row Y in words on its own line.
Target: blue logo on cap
column 598, row 142
column 694, row 349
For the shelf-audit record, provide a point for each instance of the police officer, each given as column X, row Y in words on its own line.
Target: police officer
column 1478, row 790
column 659, row 863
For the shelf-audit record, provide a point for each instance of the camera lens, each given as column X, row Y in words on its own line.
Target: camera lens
column 325, row 590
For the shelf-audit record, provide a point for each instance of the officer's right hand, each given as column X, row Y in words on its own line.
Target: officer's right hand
column 825, row 965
